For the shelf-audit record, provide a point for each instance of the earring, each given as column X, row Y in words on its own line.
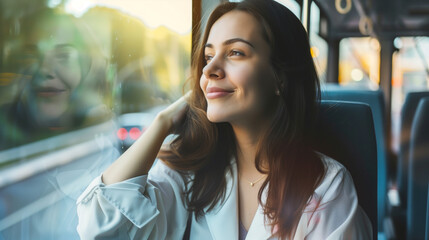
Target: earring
column 277, row 92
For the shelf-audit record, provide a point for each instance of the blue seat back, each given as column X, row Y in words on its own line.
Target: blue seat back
column 407, row 115
column 427, row 216
column 345, row 132
column 375, row 100
column 418, row 172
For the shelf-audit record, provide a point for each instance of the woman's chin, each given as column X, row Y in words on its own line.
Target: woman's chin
column 215, row 118
column 218, row 113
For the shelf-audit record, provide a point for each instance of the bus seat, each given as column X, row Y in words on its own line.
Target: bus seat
column 345, row 132
column 418, row 172
column 407, row 114
column 375, row 100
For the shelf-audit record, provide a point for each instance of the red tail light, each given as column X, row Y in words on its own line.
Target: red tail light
column 122, row 133
column 135, row 133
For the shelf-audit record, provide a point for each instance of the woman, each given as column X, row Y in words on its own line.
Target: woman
column 57, row 64
column 241, row 163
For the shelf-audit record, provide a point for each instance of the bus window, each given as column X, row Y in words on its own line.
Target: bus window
column 319, row 47
column 56, row 78
column 410, row 73
column 359, row 62
column 78, row 81
column 318, row 44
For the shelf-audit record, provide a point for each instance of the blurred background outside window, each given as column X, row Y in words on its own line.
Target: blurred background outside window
column 80, row 80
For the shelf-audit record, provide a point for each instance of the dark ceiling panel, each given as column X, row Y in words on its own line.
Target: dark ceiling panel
column 390, row 18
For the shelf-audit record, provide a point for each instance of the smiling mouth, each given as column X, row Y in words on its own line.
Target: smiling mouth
column 213, row 93
column 49, row 92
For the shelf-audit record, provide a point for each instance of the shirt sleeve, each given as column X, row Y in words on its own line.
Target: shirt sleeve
column 337, row 214
column 137, row 208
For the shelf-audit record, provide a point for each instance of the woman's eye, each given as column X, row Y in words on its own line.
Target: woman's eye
column 208, row 58
column 63, row 55
column 66, row 54
column 236, row 53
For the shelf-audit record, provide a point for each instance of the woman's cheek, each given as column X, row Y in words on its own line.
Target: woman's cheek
column 242, row 75
column 70, row 75
column 203, row 83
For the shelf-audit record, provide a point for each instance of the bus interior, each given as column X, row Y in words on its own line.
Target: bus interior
column 133, row 59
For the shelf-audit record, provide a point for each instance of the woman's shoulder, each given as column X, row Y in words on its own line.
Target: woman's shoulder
column 161, row 168
column 336, row 179
column 332, row 166
column 333, row 212
column 330, row 162
column 163, row 172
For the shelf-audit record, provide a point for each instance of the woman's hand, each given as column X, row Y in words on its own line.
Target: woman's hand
column 173, row 116
column 138, row 159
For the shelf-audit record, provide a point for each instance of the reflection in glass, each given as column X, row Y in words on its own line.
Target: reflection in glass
column 60, row 74
column 65, row 83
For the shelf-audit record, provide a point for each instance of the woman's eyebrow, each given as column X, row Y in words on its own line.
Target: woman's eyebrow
column 231, row 41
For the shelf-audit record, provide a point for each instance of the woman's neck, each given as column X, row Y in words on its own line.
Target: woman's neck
column 247, row 139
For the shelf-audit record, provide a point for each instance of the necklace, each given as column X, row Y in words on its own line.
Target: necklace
column 253, row 183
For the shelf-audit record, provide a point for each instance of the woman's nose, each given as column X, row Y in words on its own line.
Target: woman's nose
column 214, row 69
column 47, row 68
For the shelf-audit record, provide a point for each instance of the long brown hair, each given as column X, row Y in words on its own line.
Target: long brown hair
column 205, row 149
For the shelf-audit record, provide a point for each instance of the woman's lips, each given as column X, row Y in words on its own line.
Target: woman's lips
column 215, row 92
column 49, row 92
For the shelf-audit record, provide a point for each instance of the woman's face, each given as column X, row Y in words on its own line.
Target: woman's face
column 238, row 79
column 56, row 70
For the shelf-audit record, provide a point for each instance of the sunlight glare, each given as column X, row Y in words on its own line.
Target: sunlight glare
column 173, row 14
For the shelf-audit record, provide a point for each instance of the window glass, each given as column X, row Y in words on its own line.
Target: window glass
column 319, row 47
column 410, row 73
column 360, row 62
column 80, row 80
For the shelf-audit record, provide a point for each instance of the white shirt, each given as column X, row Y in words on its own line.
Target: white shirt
column 152, row 207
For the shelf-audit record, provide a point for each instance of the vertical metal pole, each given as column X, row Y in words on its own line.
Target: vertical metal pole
column 306, row 10
column 333, row 60
column 386, row 56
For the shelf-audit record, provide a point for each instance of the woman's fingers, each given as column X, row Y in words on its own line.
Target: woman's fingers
column 175, row 113
column 181, row 110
